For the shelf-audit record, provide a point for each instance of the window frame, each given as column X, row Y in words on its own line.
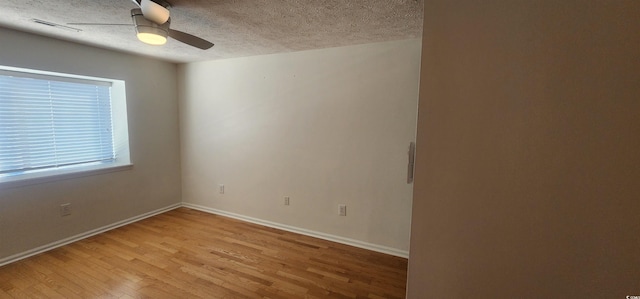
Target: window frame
column 119, row 121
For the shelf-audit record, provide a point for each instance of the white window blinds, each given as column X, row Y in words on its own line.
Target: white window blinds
column 50, row 122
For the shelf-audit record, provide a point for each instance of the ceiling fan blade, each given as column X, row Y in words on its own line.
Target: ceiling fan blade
column 189, row 39
column 99, row 24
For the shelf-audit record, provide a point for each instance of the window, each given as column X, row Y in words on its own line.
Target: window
column 55, row 124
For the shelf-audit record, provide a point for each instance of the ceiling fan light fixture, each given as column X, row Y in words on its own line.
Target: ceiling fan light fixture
column 152, row 38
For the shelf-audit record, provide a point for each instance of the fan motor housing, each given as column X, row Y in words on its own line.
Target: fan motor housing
column 146, row 27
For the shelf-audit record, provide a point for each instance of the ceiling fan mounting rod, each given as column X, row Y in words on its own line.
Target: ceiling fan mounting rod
column 163, row 3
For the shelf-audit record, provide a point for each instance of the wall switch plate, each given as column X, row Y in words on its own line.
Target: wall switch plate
column 221, row 189
column 342, row 210
column 65, row 209
column 286, row 200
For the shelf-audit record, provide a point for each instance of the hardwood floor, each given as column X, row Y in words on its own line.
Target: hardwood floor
column 186, row 253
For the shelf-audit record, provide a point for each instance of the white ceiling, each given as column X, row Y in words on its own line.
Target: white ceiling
column 237, row 27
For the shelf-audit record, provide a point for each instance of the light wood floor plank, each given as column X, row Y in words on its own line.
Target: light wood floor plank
column 186, row 253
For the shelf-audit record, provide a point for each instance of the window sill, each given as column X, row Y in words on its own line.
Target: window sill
column 61, row 174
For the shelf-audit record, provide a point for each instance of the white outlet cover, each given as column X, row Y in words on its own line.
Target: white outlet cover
column 342, row 210
column 65, row 209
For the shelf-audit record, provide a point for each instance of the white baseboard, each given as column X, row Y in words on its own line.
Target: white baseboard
column 315, row 234
column 56, row 244
column 302, row 231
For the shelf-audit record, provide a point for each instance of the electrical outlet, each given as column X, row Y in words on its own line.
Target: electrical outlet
column 286, row 200
column 221, row 189
column 342, row 210
column 65, row 209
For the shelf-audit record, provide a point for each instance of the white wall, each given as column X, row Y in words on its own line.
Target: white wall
column 324, row 127
column 528, row 163
column 29, row 215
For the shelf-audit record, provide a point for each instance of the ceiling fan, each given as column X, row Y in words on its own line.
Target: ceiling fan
column 152, row 22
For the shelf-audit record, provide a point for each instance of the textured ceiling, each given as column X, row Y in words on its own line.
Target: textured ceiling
column 237, row 27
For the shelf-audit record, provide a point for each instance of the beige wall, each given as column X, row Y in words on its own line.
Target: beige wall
column 528, row 165
column 29, row 215
column 324, row 127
